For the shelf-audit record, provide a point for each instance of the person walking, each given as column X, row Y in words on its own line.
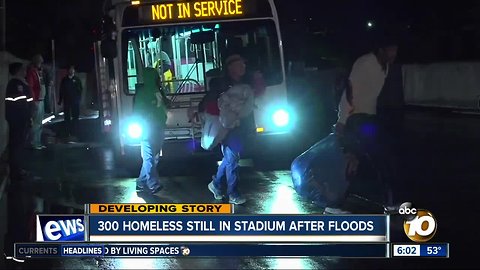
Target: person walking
column 236, row 141
column 150, row 110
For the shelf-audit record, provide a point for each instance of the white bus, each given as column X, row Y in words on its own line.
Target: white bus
column 196, row 36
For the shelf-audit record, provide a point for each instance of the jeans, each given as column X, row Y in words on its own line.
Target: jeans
column 36, row 133
column 229, row 168
column 150, row 150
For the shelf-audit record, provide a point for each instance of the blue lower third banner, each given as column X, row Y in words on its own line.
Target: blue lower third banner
column 47, row 250
column 238, row 228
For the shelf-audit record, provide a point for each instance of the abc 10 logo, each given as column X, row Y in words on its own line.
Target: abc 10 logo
column 419, row 224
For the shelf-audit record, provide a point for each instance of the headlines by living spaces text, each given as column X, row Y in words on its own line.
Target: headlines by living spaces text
column 135, row 250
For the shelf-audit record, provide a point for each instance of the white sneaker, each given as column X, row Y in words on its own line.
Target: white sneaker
column 391, row 209
column 335, row 211
column 217, row 194
column 237, row 200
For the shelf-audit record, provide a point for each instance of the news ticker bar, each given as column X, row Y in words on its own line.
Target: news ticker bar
column 136, row 250
column 439, row 250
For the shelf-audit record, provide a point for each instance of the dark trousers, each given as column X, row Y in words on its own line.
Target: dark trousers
column 17, row 138
column 392, row 121
column 372, row 142
column 19, row 210
column 71, row 114
column 20, row 221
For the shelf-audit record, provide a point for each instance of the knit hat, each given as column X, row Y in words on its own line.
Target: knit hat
column 233, row 58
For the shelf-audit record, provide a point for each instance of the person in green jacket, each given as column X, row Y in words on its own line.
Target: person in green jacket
column 150, row 105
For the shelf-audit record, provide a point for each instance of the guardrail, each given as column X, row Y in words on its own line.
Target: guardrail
column 439, row 109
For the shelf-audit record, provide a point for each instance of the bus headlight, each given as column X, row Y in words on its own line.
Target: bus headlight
column 134, row 130
column 281, row 118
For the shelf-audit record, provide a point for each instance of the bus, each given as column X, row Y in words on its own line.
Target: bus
column 187, row 41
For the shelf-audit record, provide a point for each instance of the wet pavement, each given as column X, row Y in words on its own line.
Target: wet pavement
column 440, row 172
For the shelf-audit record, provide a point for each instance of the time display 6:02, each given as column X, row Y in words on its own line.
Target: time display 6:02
column 406, row 250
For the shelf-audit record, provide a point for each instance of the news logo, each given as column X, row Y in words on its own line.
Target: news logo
column 60, row 228
column 419, row 225
column 185, row 251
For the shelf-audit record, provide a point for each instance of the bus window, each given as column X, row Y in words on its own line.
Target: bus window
column 192, row 64
column 143, row 49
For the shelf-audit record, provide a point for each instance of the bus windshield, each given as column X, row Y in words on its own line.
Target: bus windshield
column 188, row 56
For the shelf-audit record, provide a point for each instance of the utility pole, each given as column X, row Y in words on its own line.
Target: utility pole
column 53, row 87
column 3, row 15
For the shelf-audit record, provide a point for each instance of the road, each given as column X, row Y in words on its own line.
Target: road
column 440, row 173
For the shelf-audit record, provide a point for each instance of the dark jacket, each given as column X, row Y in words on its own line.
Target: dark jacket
column 70, row 90
column 237, row 138
column 18, row 102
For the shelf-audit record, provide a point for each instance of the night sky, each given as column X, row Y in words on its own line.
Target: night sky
column 325, row 32
column 32, row 24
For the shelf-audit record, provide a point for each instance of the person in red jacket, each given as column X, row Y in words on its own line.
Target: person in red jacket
column 38, row 85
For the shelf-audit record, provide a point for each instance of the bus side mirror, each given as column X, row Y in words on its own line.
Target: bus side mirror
column 202, row 37
column 108, row 49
